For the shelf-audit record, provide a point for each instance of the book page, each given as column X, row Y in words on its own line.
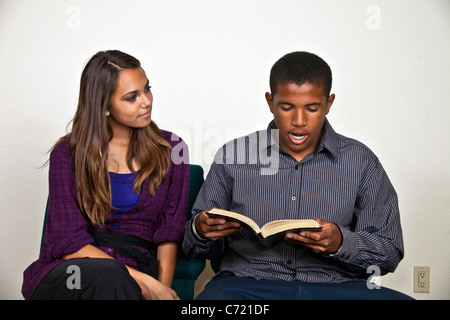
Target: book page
column 277, row 226
column 236, row 217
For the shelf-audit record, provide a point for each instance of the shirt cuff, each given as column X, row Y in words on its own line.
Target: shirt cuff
column 348, row 247
column 194, row 231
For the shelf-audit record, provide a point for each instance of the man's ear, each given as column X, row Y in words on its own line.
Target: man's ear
column 330, row 102
column 269, row 101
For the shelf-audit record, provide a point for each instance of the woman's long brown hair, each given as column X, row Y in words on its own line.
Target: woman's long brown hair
column 91, row 134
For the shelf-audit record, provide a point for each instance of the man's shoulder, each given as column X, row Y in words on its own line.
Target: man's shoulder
column 248, row 141
column 354, row 148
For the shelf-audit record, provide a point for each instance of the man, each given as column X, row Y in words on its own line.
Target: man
column 299, row 168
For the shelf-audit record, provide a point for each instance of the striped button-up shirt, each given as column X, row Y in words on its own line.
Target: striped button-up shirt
column 342, row 182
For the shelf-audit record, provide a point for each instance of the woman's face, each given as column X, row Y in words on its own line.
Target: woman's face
column 131, row 103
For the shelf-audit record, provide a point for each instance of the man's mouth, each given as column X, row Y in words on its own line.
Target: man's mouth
column 298, row 138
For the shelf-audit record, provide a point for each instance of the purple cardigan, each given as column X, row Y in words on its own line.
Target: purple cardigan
column 158, row 218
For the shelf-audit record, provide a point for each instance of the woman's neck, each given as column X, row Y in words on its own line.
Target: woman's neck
column 117, row 155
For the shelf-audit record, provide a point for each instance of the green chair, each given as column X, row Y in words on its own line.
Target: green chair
column 187, row 270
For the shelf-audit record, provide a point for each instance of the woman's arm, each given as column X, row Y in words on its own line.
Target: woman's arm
column 167, row 259
column 152, row 289
column 88, row 251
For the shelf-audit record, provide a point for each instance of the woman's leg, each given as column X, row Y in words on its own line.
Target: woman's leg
column 88, row 279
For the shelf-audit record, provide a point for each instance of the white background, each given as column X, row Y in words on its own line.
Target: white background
column 209, row 64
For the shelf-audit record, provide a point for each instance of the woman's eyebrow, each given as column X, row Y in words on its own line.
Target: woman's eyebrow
column 136, row 91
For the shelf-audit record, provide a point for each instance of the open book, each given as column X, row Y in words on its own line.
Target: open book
column 270, row 228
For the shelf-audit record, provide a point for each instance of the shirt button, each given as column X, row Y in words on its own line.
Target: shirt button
column 293, row 198
column 296, row 167
column 289, row 262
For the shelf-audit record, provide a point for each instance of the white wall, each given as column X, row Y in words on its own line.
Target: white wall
column 209, row 63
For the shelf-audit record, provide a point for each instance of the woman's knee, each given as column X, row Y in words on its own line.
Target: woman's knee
column 109, row 279
column 89, row 279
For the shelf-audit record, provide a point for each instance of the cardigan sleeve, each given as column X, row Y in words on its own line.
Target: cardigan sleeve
column 171, row 222
column 66, row 228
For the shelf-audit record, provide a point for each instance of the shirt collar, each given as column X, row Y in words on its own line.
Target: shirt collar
column 329, row 141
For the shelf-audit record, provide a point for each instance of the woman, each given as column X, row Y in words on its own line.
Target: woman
column 114, row 194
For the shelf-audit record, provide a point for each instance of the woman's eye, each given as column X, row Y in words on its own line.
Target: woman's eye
column 131, row 99
column 147, row 89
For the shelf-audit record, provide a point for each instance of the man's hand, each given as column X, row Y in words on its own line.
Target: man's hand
column 214, row 228
column 324, row 241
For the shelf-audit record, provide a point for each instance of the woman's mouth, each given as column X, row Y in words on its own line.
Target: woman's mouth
column 145, row 115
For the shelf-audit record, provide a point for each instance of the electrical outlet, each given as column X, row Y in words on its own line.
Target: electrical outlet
column 422, row 279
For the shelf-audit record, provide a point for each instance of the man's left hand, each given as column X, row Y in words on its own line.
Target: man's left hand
column 327, row 240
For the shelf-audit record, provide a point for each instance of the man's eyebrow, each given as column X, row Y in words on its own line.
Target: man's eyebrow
column 313, row 104
column 286, row 102
column 306, row 105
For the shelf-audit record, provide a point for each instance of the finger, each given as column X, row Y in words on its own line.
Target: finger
column 215, row 221
column 204, row 217
column 215, row 235
column 228, row 225
column 312, row 235
column 306, row 242
column 304, row 237
column 296, row 238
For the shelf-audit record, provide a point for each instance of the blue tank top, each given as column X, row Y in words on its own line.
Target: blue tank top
column 123, row 197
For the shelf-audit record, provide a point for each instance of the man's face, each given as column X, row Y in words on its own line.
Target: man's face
column 299, row 113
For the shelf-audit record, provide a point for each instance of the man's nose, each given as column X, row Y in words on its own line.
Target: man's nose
column 299, row 118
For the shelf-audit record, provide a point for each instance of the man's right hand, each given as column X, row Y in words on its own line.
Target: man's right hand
column 214, row 228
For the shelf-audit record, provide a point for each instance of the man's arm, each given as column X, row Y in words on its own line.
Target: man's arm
column 375, row 239
column 204, row 236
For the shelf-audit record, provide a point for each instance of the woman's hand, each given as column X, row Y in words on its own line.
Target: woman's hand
column 152, row 289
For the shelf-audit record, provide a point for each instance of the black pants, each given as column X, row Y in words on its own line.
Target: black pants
column 88, row 279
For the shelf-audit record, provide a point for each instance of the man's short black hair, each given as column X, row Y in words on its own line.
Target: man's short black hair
column 301, row 67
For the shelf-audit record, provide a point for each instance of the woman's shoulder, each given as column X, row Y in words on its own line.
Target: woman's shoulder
column 180, row 151
column 171, row 137
column 61, row 149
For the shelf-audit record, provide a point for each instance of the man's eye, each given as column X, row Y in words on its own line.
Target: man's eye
column 312, row 110
column 147, row 89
